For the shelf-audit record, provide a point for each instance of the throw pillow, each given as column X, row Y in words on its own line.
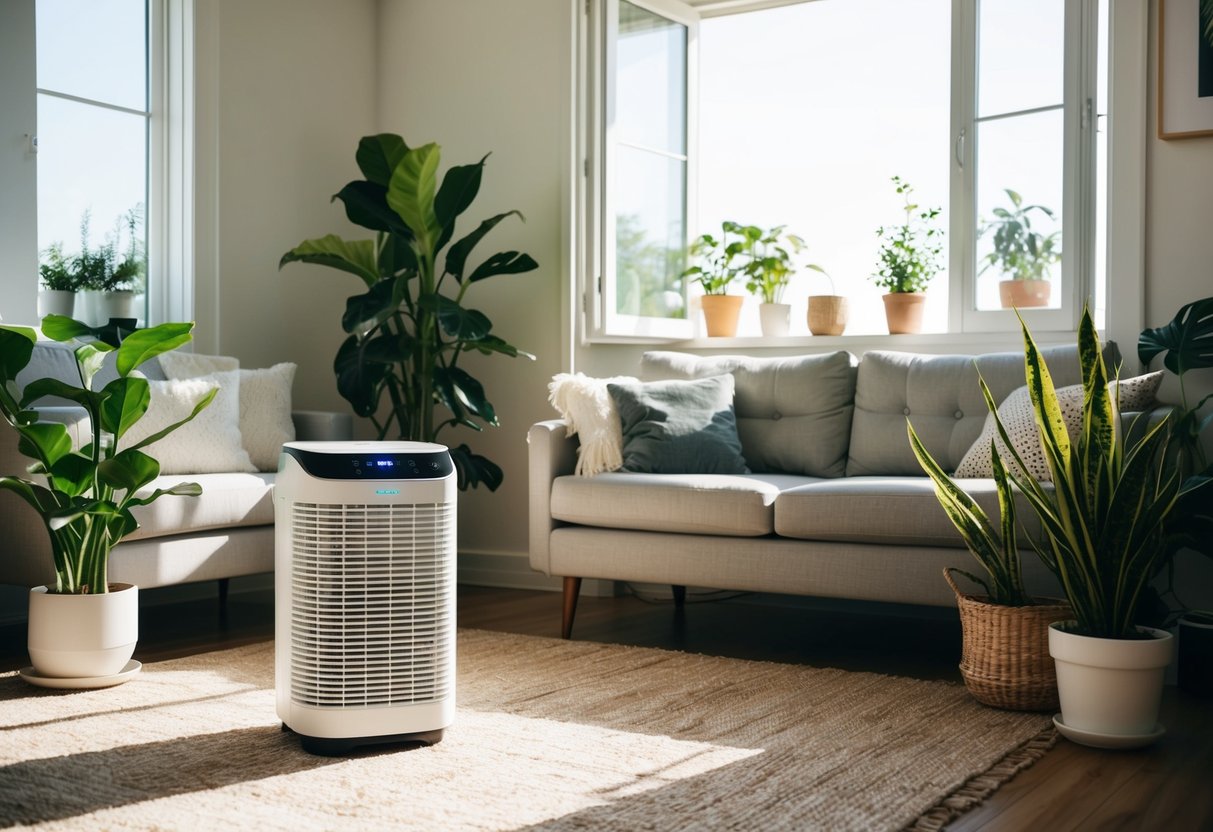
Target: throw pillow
column 1017, row 417
column 265, row 413
column 208, row 444
column 586, row 405
column 679, row 427
column 178, row 364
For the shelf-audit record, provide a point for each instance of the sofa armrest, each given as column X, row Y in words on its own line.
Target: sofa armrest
column 551, row 453
column 322, row 426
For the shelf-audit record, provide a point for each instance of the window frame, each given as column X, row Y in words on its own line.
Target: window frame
column 964, row 321
column 600, row 319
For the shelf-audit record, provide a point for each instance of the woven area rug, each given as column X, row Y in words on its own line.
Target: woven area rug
column 549, row 735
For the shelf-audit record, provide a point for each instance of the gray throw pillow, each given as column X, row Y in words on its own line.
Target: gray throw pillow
column 679, row 427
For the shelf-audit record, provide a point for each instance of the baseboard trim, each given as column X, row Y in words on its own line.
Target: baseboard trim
column 510, row 571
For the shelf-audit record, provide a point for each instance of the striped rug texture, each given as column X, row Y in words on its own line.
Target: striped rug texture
column 549, row 735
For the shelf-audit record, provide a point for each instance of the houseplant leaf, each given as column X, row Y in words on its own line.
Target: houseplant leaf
column 506, row 262
column 90, row 358
column 1187, row 340
column 46, row 442
column 473, row 469
column 358, row 381
column 464, row 324
column 411, row 192
column 457, row 255
column 469, row 391
column 199, row 406
column 128, row 470
column 145, row 344
column 459, row 187
column 354, row 256
column 63, row 328
column 366, row 311
column 16, row 348
column 366, row 205
column 378, row 155
column 123, row 403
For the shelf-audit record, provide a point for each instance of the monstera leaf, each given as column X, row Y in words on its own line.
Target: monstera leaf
column 1187, row 340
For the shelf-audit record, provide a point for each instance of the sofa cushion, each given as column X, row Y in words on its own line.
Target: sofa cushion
column 895, row 510
column 678, row 426
column 793, row 413
column 940, row 395
column 733, row 506
column 227, row 500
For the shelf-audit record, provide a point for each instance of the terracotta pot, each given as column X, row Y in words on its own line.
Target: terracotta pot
column 903, row 311
column 1020, row 294
column 83, row 636
column 720, row 313
column 775, row 318
column 828, row 314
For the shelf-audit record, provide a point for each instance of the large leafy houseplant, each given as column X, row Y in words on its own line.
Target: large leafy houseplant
column 85, row 496
column 1113, row 502
column 407, row 332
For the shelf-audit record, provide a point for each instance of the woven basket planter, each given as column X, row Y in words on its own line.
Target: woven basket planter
column 1005, row 657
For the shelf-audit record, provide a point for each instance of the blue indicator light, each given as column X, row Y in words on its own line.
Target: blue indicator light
column 387, row 491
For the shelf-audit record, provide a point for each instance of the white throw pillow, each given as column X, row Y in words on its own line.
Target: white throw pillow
column 587, row 406
column 1018, row 418
column 190, row 365
column 265, row 413
column 210, row 443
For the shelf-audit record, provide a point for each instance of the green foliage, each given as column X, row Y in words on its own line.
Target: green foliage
column 770, row 268
column 1021, row 253
column 408, row 330
column 1113, row 504
column 85, row 496
column 996, row 549
column 115, row 265
column 911, row 254
column 718, row 256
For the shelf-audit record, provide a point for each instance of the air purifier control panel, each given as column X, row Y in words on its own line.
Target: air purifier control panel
column 371, row 463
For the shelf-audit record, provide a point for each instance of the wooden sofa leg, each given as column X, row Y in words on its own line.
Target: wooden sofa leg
column 680, row 594
column 572, row 588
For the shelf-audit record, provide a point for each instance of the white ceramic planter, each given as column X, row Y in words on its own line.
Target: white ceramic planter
column 88, row 307
column 56, row 302
column 83, row 636
column 117, row 305
column 775, row 318
column 1110, row 686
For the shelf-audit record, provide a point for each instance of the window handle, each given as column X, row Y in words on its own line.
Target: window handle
column 959, row 149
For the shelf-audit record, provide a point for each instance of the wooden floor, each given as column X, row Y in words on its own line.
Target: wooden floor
column 1167, row 787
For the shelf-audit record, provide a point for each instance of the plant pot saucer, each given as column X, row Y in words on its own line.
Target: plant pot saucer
column 1095, row 739
column 83, row 682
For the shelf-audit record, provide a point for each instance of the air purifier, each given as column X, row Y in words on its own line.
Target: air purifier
column 364, row 593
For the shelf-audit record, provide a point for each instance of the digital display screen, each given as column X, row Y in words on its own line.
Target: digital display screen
column 384, row 463
column 403, row 466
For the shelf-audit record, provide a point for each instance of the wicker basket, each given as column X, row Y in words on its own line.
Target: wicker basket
column 1005, row 659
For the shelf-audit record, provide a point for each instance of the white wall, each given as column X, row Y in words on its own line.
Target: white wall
column 295, row 91
column 477, row 76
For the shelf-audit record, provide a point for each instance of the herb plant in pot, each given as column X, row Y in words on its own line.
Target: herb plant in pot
column 108, row 276
column 1021, row 254
column 910, row 256
column 720, row 264
column 83, row 629
column 408, row 330
column 58, row 293
column 768, row 273
column 1106, row 521
column 1005, row 657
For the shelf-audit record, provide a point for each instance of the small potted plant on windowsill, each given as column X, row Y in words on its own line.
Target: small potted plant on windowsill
column 910, row 256
column 720, row 266
column 83, row 630
column 828, row 314
column 768, row 273
column 59, row 283
column 1022, row 255
column 108, row 276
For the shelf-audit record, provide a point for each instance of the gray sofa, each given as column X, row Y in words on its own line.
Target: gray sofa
column 227, row 532
column 836, row 506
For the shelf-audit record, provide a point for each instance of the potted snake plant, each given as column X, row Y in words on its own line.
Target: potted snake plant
column 82, row 631
column 1106, row 522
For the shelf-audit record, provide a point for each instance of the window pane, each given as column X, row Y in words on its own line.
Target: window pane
column 1023, row 154
column 651, row 83
column 806, row 112
column 89, row 159
column 94, row 49
column 650, row 234
column 1020, row 48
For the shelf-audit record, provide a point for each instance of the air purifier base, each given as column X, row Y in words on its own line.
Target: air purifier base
column 341, row 746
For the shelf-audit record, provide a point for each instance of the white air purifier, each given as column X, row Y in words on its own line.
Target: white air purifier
column 364, row 593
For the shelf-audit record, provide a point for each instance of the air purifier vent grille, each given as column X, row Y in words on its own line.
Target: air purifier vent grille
column 371, row 590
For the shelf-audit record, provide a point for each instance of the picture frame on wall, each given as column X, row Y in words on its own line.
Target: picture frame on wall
column 1185, row 68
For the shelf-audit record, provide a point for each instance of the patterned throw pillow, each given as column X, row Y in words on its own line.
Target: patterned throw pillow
column 1136, row 394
